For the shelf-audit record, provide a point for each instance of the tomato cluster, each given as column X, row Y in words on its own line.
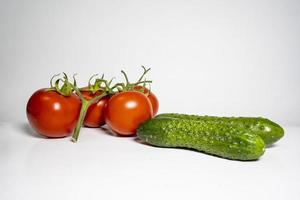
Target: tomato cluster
column 60, row 110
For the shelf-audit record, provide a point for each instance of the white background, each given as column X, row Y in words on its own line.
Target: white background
column 233, row 58
column 207, row 57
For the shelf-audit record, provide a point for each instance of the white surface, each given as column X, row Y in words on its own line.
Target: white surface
column 101, row 166
column 236, row 58
column 228, row 58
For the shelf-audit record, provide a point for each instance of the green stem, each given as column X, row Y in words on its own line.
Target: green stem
column 51, row 80
column 144, row 73
column 118, row 85
column 126, row 78
column 89, row 83
column 137, row 83
column 84, row 107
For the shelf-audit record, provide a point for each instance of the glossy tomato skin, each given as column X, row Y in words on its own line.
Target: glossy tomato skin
column 151, row 96
column 126, row 111
column 51, row 114
column 95, row 113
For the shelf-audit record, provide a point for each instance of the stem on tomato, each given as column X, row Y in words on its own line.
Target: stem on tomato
column 84, row 107
column 144, row 73
column 126, row 77
column 51, row 80
column 89, row 83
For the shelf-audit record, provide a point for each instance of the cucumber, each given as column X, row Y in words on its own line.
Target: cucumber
column 212, row 137
column 269, row 131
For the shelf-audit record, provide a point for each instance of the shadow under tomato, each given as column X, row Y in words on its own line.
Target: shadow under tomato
column 106, row 130
column 25, row 128
column 112, row 133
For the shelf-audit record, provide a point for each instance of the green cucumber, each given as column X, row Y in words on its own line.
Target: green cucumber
column 269, row 131
column 212, row 137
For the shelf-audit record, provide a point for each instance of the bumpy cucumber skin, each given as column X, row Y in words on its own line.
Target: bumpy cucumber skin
column 210, row 137
column 269, row 131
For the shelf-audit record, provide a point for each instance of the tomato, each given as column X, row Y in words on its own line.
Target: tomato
column 153, row 99
column 52, row 114
column 95, row 113
column 126, row 111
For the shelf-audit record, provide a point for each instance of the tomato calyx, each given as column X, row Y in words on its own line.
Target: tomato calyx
column 141, row 82
column 100, row 85
column 65, row 89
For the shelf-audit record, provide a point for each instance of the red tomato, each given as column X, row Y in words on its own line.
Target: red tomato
column 95, row 114
column 153, row 99
column 126, row 111
column 51, row 114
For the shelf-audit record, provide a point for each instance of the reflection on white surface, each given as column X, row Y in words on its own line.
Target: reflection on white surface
column 100, row 164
